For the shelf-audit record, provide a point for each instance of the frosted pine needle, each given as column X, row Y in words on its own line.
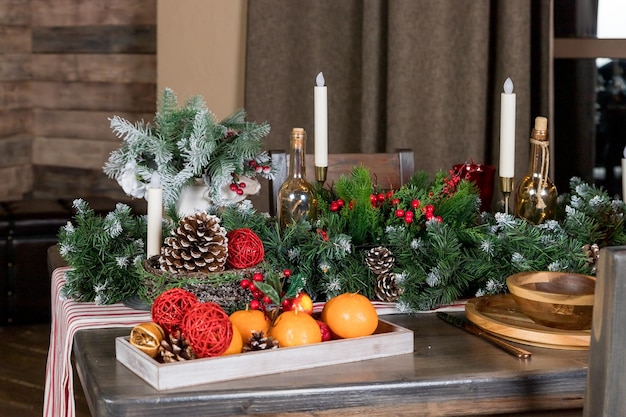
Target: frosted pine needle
column 433, row 279
column 65, row 249
column 324, row 267
column 69, row 228
column 343, row 243
column 112, row 225
column 293, row 254
column 486, row 246
column 122, row 261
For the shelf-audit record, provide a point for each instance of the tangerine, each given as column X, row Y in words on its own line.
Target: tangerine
column 350, row 315
column 248, row 321
column 236, row 343
column 325, row 309
column 293, row 328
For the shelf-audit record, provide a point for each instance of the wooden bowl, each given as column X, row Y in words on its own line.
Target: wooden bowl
column 561, row 300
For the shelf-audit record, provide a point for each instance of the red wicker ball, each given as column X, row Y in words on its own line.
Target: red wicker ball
column 245, row 249
column 208, row 329
column 169, row 308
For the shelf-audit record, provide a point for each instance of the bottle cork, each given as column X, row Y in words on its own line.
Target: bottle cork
column 540, row 131
column 298, row 136
column 297, row 133
column 541, row 123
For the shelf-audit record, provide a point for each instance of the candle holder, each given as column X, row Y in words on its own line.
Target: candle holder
column 506, row 184
column 320, row 174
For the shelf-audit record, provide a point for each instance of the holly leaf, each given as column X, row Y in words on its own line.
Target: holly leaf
column 272, row 287
column 270, row 291
column 273, row 279
column 296, row 283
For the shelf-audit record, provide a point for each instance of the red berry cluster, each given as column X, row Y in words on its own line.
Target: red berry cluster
column 406, row 214
column 450, row 183
column 379, row 199
column 323, row 233
column 258, row 168
column 429, row 213
column 337, row 205
column 259, row 300
column 287, row 304
column 238, row 187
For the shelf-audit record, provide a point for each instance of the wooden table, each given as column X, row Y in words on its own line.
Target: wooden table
column 450, row 373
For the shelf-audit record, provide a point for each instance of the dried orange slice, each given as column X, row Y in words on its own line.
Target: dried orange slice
column 147, row 337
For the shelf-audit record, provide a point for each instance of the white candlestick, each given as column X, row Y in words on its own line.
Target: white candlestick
column 507, row 131
column 624, row 177
column 321, row 122
column 155, row 216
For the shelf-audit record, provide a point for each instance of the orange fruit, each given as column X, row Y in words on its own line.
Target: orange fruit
column 325, row 309
column 293, row 328
column 248, row 321
column 350, row 315
column 236, row 344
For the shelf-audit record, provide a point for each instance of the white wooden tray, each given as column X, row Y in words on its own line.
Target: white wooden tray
column 388, row 340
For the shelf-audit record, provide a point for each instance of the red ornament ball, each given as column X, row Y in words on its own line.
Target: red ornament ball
column 245, row 249
column 169, row 308
column 208, row 329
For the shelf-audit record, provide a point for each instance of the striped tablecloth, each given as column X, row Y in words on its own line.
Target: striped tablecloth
column 67, row 318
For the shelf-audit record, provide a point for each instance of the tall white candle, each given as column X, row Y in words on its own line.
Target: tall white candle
column 155, row 216
column 321, row 122
column 507, row 131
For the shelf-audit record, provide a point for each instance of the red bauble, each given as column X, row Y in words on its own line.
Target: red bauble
column 169, row 308
column 245, row 249
column 208, row 329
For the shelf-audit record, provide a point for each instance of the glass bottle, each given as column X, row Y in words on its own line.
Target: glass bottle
column 296, row 196
column 536, row 194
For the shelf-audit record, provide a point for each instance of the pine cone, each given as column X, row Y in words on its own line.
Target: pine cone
column 387, row 288
column 259, row 341
column 593, row 254
column 175, row 348
column 380, row 260
column 198, row 244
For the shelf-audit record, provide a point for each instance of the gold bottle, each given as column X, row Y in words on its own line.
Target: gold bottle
column 536, row 194
column 296, row 196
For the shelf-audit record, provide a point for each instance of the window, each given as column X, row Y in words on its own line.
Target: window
column 589, row 92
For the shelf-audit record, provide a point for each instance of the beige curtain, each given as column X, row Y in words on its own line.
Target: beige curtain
column 420, row 74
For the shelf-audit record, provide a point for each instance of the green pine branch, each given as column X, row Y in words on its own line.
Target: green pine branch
column 104, row 252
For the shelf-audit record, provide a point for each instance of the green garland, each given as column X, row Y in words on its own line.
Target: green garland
column 448, row 250
column 105, row 254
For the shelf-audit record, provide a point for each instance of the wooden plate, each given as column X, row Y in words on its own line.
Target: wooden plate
column 498, row 314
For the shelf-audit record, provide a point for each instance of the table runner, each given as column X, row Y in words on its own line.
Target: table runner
column 68, row 317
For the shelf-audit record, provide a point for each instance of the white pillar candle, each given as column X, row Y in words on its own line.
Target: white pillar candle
column 624, row 176
column 321, row 122
column 155, row 216
column 507, row 131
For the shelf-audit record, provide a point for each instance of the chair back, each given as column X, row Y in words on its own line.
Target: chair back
column 389, row 170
